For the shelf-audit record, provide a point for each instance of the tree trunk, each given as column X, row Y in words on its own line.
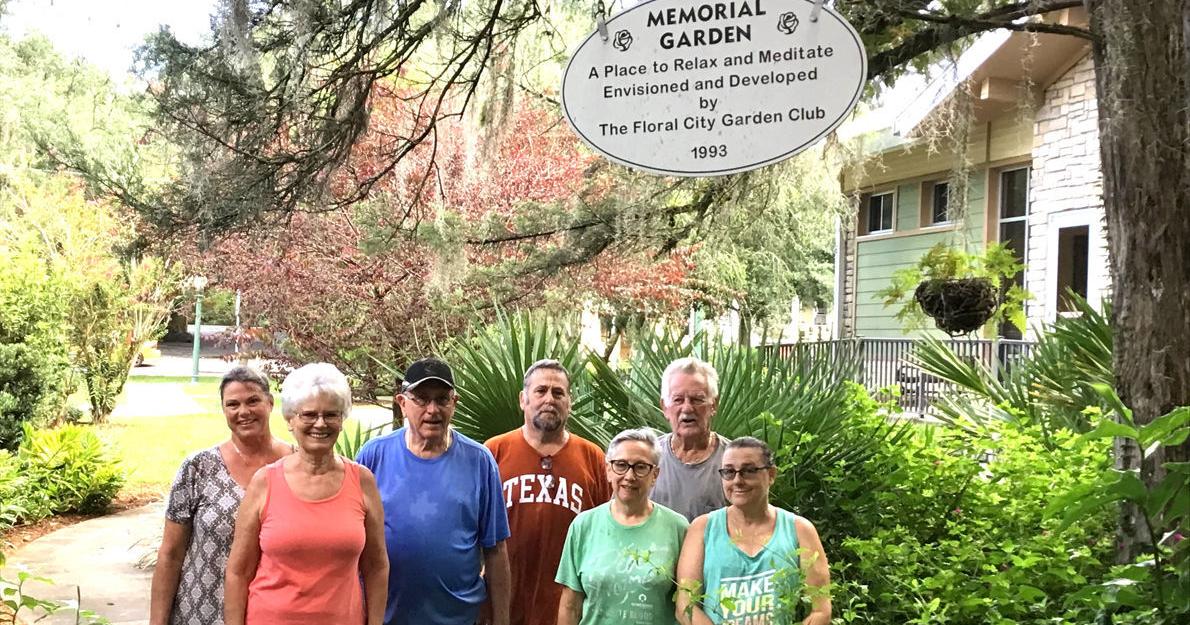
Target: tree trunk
column 177, row 329
column 744, row 330
column 1143, row 91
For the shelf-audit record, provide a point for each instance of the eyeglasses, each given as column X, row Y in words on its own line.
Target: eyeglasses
column 639, row 469
column 747, row 472
column 310, row 418
column 694, row 401
column 442, row 401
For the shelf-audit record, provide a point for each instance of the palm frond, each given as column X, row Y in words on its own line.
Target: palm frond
column 1049, row 387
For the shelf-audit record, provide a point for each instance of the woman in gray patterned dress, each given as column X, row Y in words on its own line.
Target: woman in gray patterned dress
column 200, row 516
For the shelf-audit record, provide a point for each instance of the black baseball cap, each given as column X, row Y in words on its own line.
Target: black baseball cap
column 427, row 369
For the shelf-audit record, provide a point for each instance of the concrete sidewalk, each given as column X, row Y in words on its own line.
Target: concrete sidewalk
column 103, row 558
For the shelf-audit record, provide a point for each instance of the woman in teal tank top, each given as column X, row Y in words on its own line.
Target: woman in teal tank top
column 745, row 564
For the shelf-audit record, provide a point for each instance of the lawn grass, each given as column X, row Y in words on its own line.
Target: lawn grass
column 151, row 442
column 209, row 380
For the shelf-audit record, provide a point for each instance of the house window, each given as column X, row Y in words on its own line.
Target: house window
column 1073, row 251
column 879, row 216
column 940, row 203
column 1014, row 227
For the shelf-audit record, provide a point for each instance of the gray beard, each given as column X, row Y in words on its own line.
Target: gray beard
column 545, row 423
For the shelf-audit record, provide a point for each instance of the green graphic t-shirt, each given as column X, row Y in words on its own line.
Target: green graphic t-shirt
column 626, row 573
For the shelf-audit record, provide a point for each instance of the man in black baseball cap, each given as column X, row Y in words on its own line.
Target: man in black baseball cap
column 440, row 490
column 427, row 370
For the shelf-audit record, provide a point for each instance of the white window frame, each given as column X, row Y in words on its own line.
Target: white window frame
column 1028, row 202
column 1023, row 218
column 1096, row 255
column 893, row 219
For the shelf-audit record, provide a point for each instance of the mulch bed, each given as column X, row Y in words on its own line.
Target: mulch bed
column 130, row 497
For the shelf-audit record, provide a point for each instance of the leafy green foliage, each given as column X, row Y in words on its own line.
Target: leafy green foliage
column 29, row 380
column 33, row 358
column 13, row 506
column 1154, row 589
column 107, row 304
column 996, row 263
column 51, row 233
column 835, row 490
column 956, row 532
column 69, row 469
column 352, row 439
column 110, row 319
column 59, row 470
column 757, row 253
column 794, row 402
column 490, row 367
column 84, row 255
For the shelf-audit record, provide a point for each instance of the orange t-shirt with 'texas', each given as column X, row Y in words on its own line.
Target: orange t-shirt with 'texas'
column 542, row 495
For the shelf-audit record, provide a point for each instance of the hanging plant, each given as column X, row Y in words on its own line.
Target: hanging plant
column 957, row 306
column 960, row 291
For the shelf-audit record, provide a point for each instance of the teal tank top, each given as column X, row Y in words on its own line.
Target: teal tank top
column 740, row 589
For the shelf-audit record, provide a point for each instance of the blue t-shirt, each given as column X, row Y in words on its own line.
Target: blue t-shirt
column 439, row 515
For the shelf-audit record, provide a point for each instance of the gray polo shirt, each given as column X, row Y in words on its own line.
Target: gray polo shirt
column 691, row 490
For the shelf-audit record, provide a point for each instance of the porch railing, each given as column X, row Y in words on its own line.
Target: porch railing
column 884, row 362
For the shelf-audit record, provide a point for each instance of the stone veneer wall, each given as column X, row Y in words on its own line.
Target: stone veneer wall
column 846, row 307
column 1065, row 176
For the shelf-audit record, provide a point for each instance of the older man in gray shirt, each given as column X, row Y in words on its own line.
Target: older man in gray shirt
column 691, row 454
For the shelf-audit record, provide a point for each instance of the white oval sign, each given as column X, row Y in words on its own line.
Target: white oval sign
column 685, row 88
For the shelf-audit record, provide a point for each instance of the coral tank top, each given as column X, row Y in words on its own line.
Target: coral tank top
column 309, row 555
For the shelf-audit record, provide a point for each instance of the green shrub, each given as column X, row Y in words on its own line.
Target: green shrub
column 12, row 489
column 838, row 491
column 33, row 358
column 110, row 316
column 218, row 307
column 957, row 533
column 25, row 380
column 71, row 467
column 1153, row 589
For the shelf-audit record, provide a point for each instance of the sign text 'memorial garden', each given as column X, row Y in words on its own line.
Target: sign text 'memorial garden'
column 713, row 88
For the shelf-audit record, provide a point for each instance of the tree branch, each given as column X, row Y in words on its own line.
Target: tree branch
column 948, row 29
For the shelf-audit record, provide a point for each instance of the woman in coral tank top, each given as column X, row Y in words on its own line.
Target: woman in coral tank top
column 309, row 538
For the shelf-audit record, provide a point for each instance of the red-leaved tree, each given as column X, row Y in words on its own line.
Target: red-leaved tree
column 392, row 277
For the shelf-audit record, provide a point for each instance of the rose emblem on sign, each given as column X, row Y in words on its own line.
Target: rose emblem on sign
column 622, row 41
column 787, row 23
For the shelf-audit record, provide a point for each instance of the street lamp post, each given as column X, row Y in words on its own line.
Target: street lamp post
column 199, row 283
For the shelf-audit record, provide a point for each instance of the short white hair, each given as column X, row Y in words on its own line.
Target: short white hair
column 691, row 365
column 641, row 435
column 318, row 378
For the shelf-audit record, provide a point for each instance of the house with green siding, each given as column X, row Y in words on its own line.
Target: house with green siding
column 1027, row 131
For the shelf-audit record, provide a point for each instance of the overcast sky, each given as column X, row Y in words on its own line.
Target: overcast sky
column 105, row 32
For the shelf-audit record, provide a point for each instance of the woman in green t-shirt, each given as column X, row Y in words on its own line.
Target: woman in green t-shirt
column 743, row 564
column 619, row 559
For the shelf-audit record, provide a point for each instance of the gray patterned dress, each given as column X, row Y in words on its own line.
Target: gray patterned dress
column 205, row 497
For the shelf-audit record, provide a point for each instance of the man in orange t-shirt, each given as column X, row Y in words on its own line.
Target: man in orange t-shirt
column 549, row 476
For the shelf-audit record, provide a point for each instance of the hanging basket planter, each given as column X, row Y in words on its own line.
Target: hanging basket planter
column 957, row 306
